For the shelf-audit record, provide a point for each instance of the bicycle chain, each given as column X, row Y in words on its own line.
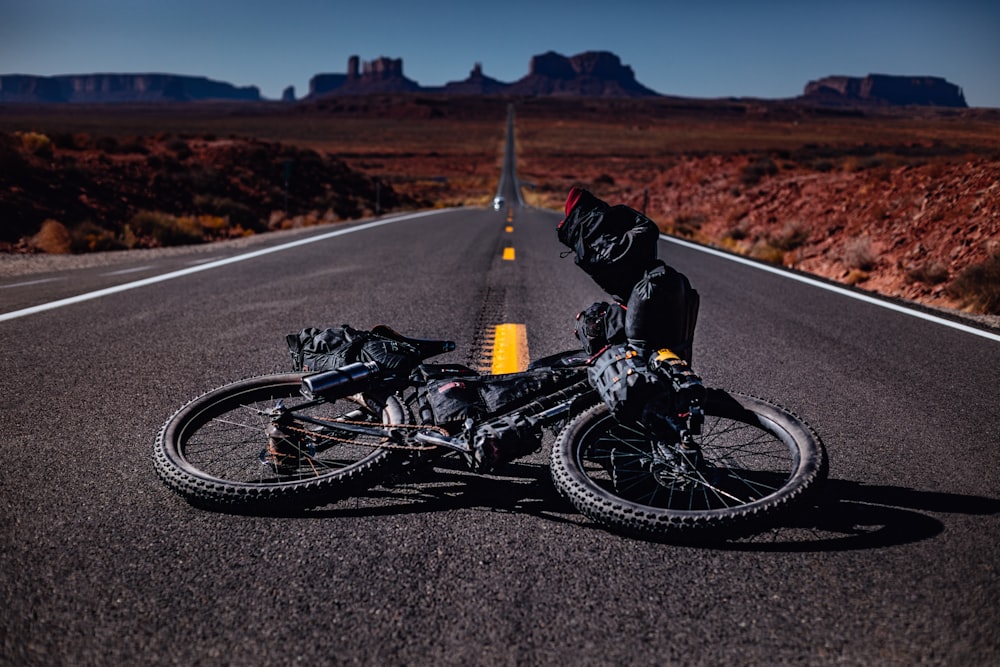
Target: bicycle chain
column 383, row 445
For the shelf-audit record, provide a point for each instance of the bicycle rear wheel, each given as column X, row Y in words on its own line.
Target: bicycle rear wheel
column 216, row 450
column 757, row 462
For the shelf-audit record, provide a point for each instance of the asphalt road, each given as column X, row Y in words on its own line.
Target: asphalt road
column 102, row 565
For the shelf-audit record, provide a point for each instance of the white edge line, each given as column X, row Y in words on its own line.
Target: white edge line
column 834, row 288
column 204, row 267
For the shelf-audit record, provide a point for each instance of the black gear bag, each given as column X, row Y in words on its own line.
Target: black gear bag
column 314, row 350
column 600, row 325
column 623, row 382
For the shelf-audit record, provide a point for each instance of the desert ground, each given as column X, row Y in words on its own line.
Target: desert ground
column 901, row 202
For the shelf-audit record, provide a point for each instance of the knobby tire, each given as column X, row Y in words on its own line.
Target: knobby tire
column 759, row 462
column 212, row 451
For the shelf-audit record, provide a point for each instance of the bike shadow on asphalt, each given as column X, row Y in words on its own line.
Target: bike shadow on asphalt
column 848, row 516
column 446, row 484
column 852, row 516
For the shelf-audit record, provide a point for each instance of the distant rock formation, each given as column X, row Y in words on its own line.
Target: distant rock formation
column 382, row 75
column 323, row 84
column 590, row 74
column 884, row 90
column 102, row 88
column 477, row 84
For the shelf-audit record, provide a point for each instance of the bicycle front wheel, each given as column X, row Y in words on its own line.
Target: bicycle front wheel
column 219, row 451
column 757, row 461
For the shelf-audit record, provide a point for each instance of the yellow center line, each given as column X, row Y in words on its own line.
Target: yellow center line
column 509, row 228
column 508, row 253
column 510, row 349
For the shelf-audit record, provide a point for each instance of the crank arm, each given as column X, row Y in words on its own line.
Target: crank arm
column 430, row 438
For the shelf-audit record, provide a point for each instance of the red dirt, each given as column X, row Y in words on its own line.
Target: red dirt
column 897, row 204
column 903, row 231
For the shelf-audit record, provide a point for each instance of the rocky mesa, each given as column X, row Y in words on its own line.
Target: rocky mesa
column 594, row 74
column 118, row 88
column 590, row 74
column 884, row 90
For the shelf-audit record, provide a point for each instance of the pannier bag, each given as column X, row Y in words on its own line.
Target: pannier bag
column 600, row 325
column 623, row 382
column 314, row 350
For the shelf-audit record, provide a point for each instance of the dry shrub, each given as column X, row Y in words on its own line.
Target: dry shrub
column 766, row 252
column 732, row 244
column 91, row 237
column 793, row 235
column 688, row 225
column 978, row 286
column 930, row 272
column 753, row 173
column 166, row 229
column 52, row 238
column 858, row 254
column 856, row 276
column 237, row 213
column 36, row 143
column 212, row 223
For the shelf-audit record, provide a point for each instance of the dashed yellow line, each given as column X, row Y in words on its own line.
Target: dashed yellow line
column 509, row 228
column 510, row 349
column 508, row 253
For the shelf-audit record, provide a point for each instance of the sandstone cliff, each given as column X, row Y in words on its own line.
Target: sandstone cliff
column 379, row 76
column 590, row 74
column 101, row 88
column 884, row 90
column 477, row 83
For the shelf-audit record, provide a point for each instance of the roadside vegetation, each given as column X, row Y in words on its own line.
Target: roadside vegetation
column 904, row 203
column 74, row 192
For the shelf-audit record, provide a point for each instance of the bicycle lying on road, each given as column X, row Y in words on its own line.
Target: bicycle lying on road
column 695, row 463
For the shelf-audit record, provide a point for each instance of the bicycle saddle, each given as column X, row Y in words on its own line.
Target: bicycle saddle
column 426, row 347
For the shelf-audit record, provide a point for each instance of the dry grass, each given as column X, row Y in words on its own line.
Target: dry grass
column 858, row 254
column 978, row 286
column 53, row 237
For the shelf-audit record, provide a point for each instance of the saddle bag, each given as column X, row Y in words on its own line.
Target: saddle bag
column 314, row 350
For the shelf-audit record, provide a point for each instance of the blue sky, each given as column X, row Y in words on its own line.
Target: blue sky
column 714, row 48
